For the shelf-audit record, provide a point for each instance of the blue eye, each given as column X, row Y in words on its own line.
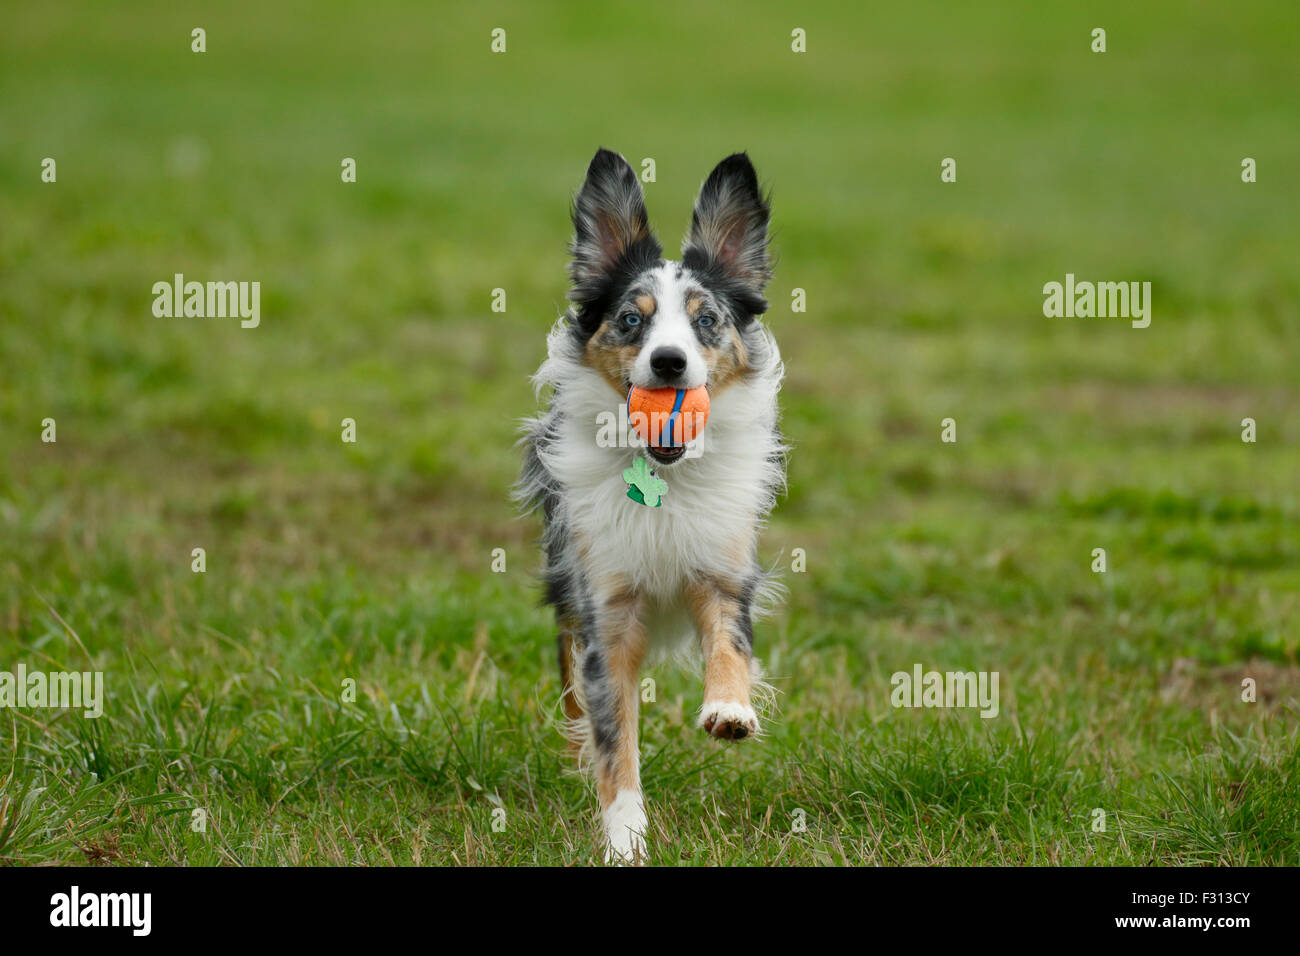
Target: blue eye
column 631, row 319
column 706, row 321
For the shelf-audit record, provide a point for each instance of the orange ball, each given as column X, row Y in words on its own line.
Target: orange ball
column 668, row 417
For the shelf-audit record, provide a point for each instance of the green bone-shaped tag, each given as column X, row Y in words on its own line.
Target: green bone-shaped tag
column 644, row 487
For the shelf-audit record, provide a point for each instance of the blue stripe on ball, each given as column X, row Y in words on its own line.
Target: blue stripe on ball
column 673, row 419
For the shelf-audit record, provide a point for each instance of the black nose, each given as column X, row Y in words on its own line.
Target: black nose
column 668, row 362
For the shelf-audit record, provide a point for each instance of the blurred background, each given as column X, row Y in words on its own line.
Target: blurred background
column 371, row 561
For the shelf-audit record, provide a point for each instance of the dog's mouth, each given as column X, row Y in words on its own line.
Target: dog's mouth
column 668, row 455
column 663, row 454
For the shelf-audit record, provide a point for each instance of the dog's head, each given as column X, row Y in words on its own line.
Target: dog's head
column 645, row 321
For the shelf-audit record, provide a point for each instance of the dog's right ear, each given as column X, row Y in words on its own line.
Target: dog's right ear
column 611, row 231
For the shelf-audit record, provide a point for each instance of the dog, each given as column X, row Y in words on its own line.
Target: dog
column 628, row 581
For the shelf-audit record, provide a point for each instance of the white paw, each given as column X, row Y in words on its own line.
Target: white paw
column 625, row 826
column 728, row 720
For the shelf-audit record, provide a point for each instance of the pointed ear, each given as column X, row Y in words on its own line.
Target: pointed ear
column 729, row 229
column 610, row 227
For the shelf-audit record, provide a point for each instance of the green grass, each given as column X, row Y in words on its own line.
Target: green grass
column 370, row 562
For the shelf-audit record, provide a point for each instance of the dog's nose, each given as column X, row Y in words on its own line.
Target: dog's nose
column 668, row 362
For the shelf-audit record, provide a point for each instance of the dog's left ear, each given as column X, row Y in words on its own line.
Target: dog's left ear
column 729, row 228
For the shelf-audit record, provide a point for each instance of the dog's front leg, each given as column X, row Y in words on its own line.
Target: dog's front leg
column 610, row 666
column 722, row 615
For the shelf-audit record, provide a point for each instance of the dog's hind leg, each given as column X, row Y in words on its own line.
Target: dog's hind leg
column 568, row 651
column 610, row 667
column 721, row 611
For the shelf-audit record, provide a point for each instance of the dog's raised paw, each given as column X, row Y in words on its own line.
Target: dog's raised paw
column 728, row 720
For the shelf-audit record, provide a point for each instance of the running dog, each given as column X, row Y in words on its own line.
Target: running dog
column 626, row 579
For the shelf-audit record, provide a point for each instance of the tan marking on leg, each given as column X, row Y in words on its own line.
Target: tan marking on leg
column 613, row 705
column 624, row 639
column 568, row 638
column 726, row 667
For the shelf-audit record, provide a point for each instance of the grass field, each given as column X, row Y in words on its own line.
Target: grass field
column 370, row 562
